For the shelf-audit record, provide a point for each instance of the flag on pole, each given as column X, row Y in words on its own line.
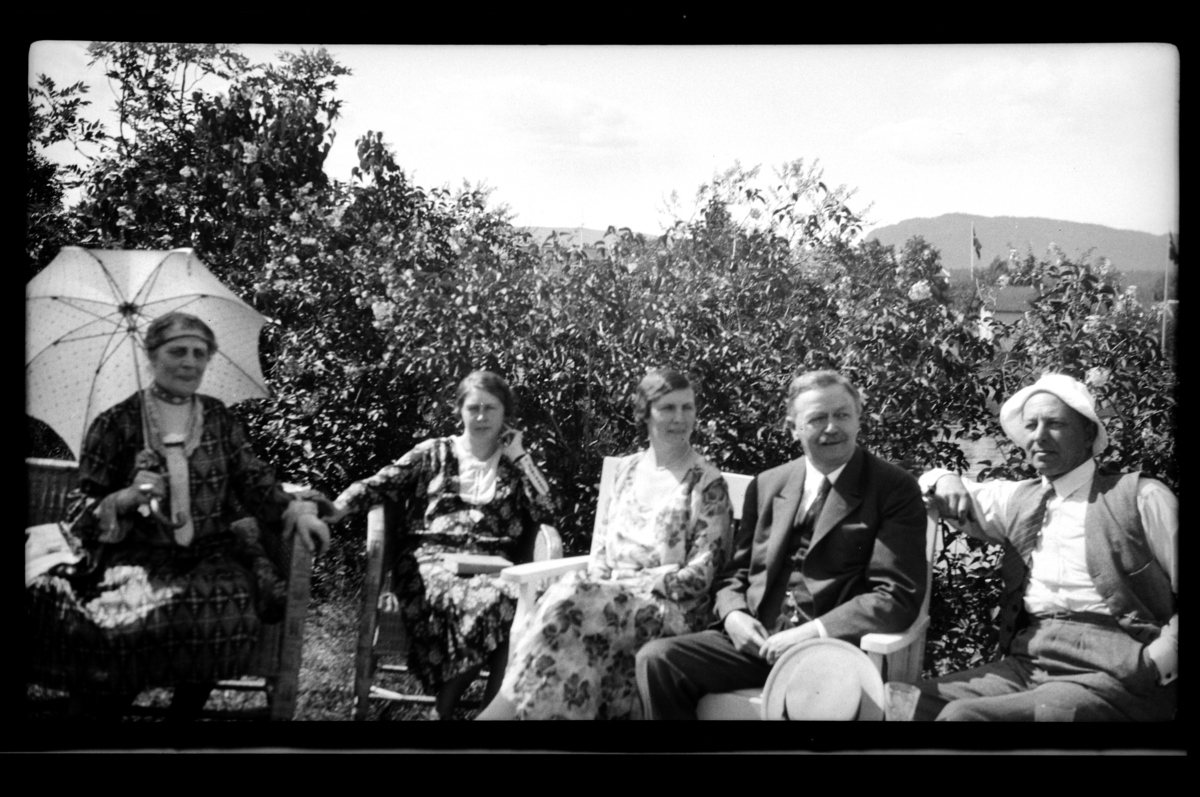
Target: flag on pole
column 975, row 241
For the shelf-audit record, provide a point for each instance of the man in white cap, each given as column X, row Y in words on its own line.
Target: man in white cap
column 1088, row 617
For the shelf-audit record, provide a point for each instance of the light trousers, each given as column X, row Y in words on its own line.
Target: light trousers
column 1086, row 662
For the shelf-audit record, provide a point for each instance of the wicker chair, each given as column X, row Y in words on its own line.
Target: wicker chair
column 381, row 634
column 275, row 667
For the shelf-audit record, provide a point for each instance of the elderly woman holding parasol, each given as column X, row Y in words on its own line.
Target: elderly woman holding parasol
column 168, row 593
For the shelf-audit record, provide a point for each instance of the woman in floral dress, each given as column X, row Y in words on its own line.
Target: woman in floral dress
column 663, row 536
column 477, row 493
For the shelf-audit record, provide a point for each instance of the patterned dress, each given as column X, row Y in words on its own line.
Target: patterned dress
column 454, row 622
column 575, row 659
column 140, row 610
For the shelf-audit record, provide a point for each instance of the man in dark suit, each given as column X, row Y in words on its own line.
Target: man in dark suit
column 830, row 545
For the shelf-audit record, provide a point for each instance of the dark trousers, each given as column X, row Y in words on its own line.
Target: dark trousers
column 1087, row 663
column 675, row 672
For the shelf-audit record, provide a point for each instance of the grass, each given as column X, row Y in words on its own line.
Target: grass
column 327, row 672
column 326, row 680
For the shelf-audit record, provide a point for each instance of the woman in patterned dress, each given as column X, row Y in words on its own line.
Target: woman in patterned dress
column 663, row 536
column 477, row 493
column 170, row 591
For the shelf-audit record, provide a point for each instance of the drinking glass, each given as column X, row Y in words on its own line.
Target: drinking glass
column 899, row 701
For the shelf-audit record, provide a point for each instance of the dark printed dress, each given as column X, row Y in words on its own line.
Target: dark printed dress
column 575, row 658
column 454, row 622
column 140, row 610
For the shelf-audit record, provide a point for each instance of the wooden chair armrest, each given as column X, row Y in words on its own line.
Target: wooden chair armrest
column 886, row 644
column 375, row 525
column 372, row 581
column 287, row 684
column 548, row 544
column 530, row 579
column 538, row 571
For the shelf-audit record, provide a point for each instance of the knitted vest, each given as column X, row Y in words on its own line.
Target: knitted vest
column 1134, row 587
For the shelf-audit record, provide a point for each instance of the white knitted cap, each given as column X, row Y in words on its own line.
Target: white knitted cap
column 1072, row 392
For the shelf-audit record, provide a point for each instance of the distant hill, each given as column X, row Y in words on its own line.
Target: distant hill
column 1129, row 252
column 1139, row 256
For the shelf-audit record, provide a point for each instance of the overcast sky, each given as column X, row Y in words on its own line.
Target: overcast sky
column 601, row 135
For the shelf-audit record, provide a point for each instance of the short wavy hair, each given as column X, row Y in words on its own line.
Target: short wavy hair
column 813, row 380
column 489, row 383
column 654, row 385
column 174, row 325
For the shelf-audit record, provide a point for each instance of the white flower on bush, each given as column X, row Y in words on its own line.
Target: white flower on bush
column 249, row 153
column 186, row 172
column 985, row 330
column 384, row 312
column 1097, row 377
column 919, row 292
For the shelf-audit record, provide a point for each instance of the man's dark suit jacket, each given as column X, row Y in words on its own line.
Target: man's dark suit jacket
column 865, row 566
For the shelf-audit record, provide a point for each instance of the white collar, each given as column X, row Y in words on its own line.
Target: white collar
column 466, row 458
column 814, row 477
column 1073, row 480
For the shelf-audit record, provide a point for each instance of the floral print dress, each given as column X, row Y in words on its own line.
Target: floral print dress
column 575, row 658
column 454, row 622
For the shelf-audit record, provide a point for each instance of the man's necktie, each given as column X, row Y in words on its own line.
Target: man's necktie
column 1028, row 528
column 1015, row 564
column 809, row 523
column 780, row 598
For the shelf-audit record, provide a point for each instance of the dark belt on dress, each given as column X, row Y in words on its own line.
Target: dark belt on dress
column 1062, row 615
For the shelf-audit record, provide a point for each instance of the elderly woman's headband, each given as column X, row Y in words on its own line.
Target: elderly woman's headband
column 177, row 332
